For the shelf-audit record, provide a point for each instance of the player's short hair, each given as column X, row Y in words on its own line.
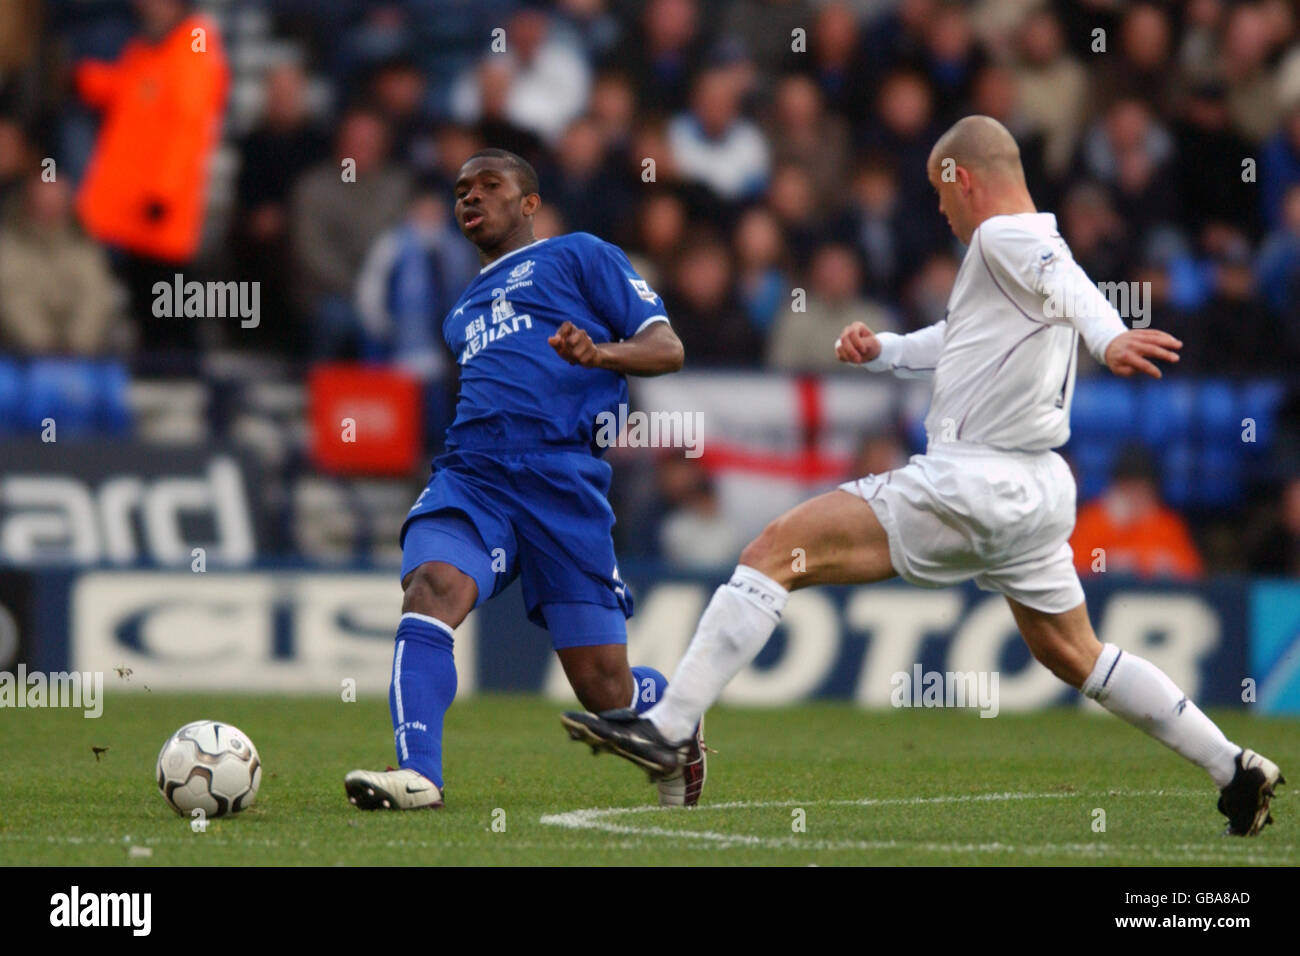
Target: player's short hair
column 524, row 172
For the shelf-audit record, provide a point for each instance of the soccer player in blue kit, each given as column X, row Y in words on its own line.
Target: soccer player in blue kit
column 544, row 336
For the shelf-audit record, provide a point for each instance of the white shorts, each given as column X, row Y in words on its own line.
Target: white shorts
column 964, row 511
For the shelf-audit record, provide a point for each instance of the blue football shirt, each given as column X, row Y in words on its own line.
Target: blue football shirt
column 516, row 393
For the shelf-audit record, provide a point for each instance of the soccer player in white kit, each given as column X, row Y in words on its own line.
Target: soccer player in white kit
column 989, row 500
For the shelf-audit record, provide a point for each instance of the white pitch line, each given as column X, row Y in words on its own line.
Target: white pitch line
column 600, row 819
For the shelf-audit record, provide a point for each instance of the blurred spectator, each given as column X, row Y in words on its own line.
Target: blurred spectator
column 1279, row 166
column 717, row 146
column 763, row 285
column 839, row 62
column 790, row 199
column 19, row 20
column 1053, row 87
column 805, row 340
column 905, row 130
column 491, row 113
column 802, row 132
column 20, row 49
column 578, row 173
column 1278, row 268
column 700, row 300
column 613, row 110
column 56, row 291
column 695, row 534
column 1209, row 163
column 764, row 29
column 1198, row 53
column 1129, row 530
column 594, row 25
column 271, row 158
column 995, row 93
column 545, row 80
column 397, row 91
column 411, row 278
column 925, row 298
column 1276, row 551
column 337, row 211
column 16, row 160
column 1144, row 67
column 662, row 52
column 1244, row 63
column 1128, row 151
column 950, row 59
column 661, row 228
column 144, row 192
column 453, row 144
column 1095, row 232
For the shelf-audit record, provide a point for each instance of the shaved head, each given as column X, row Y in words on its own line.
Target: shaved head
column 982, row 145
column 975, row 168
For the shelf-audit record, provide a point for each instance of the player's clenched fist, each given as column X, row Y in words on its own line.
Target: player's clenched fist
column 575, row 346
column 857, row 344
column 1132, row 351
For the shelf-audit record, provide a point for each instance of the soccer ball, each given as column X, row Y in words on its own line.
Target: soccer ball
column 209, row 766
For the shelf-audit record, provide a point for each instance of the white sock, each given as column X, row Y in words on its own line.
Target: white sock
column 1141, row 693
column 740, row 618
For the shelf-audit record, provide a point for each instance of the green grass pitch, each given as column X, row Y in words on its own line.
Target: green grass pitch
column 897, row 788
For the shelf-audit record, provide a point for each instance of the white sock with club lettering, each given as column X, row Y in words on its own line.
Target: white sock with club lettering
column 740, row 618
column 1141, row 693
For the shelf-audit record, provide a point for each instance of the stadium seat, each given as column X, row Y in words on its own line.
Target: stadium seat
column 1220, row 481
column 113, row 386
column 1101, row 406
column 82, row 397
column 1259, row 401
column 11, row 390
column 1178, row 472
column 1217, row 411
column 1092, row 460
column 1167, row 412
column 63, row 390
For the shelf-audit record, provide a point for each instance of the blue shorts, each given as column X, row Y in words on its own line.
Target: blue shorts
column 540, row 516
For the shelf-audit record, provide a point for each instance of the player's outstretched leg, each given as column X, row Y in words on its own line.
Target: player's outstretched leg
column 1139, row 692
column 599, row 675
column 437, row 597
column 838, row 540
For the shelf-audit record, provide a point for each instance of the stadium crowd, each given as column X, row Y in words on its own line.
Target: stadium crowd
column 743, row 152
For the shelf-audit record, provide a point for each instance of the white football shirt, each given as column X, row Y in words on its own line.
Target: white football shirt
column 1003, row 359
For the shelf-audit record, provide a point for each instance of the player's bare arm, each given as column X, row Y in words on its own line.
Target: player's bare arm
column 655, row 350
column 1132, row 352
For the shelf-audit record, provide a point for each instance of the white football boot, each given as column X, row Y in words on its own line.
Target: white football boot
column 392, row 790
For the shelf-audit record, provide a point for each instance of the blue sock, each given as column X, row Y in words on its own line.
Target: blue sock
column 650, row 685
column 423, row 687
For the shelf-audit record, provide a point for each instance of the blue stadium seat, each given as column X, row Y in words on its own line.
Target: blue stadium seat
column 1167, row 413
column 1220, row 481
column 1103, row 408
column 1260, row 401
column 11, row 391
column 1178, row 472
column 1217, row 412
column 1092, row 461
column 65, row 390
column 113, row 386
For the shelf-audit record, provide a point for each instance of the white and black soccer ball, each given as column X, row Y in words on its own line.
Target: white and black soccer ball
column 210, row 766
